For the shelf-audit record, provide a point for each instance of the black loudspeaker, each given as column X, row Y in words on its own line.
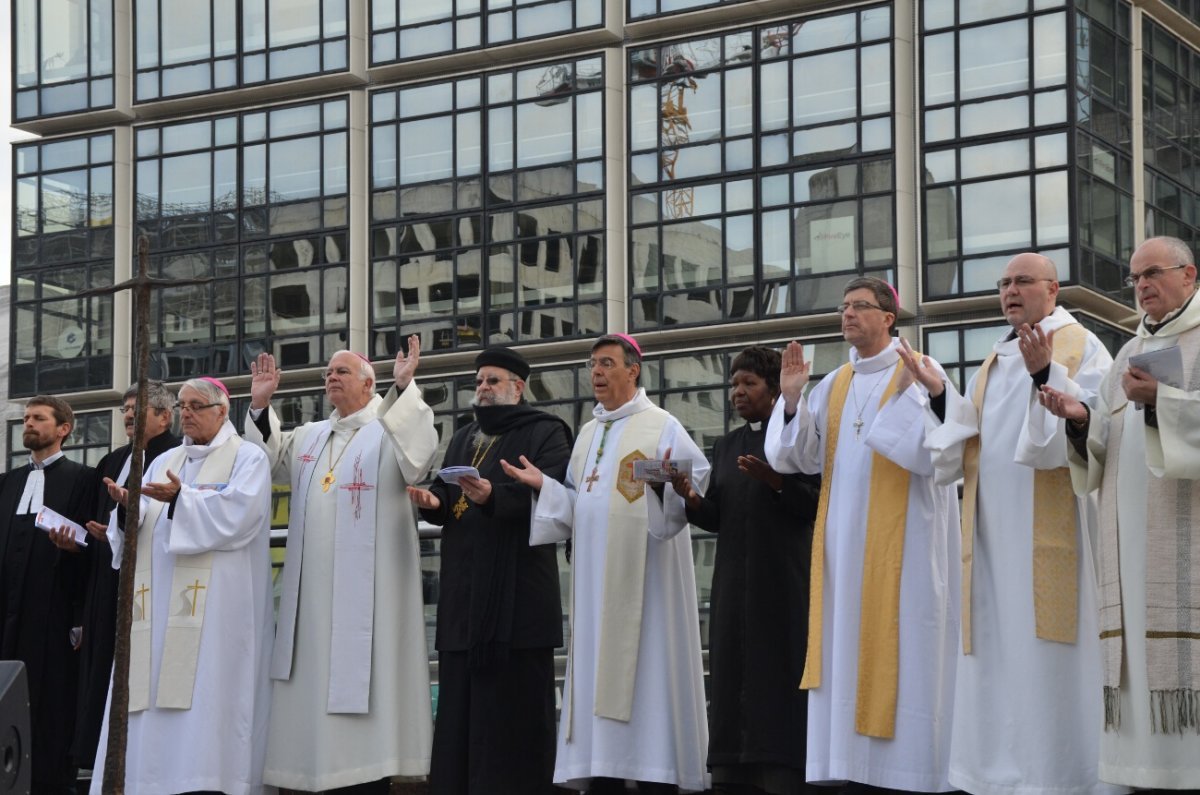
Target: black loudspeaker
column 15, row 771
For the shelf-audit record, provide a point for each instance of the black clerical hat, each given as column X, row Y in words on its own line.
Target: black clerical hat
column 499, row 356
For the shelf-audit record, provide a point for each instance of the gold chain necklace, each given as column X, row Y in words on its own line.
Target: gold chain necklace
column 462, row 505
column 329, row 479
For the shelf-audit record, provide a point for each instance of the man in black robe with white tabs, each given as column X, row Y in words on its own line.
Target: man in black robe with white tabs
column 499, row 610
column 41, row 587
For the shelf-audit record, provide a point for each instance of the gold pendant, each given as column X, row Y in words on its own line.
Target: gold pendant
column 327, row 481
column 461, row 506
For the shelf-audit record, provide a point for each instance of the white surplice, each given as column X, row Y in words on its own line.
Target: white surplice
column 1134, row 755
column 1027, row 711
column 310, row 748
column 916, row 758
column 219, row 744
column 666, row 739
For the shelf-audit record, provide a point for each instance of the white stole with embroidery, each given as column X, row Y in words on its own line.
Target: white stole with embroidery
column 354, row 489
column 189, row 588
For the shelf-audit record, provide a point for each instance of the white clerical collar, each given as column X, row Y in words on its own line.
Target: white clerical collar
column 639, row 403
column 194, row 451
column 364, row 416
column 45, row 462
column 880, row 361
column 756, row 425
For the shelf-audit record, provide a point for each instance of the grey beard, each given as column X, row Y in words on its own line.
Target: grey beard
column 480, row 440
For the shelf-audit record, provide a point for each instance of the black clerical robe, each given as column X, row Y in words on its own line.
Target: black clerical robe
column 499, row 613
column 758, row 629
column 100, row 607
column 41, row 599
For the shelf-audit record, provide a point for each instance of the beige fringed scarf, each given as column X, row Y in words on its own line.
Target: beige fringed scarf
column 1172, row 553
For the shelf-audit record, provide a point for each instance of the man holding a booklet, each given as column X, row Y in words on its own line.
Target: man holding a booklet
column 634, row 621
column 41, row 587
column 1140, row 446
column 499, row 612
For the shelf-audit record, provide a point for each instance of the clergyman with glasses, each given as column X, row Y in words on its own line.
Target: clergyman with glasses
column 1140, row 447
column 633, row 699
column 875, row 703
column 1027, row 719
column 499, row 611
column 350, row 694
column 200, row 641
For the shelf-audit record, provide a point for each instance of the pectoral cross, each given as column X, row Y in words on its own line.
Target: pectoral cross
column 461, row 506
column 858, row 424
column 118, row 714
column 195, row 588
column 591, row 480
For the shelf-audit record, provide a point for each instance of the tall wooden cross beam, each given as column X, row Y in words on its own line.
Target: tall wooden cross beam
column 141, row 286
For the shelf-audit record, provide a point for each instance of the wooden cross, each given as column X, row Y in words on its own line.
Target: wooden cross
column 118, row 715
column 195, row 588
column 591, row 479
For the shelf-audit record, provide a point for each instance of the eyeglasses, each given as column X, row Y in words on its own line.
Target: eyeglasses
column 859, row 306
column 491, row 380
column 1150, row 273
column 604, row 362
column 196, row 407
column 1021, row 281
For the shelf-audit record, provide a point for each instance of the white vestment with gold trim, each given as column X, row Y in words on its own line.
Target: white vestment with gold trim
column 220, row 743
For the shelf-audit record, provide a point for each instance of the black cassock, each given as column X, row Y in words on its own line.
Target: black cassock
column 41, row 599
column 758, row 629
column 499, row 614
column 100, row 608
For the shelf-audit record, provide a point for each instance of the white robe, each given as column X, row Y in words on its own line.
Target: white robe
column 219, row 744
column 666, row 738
column 309, row 748
column 1134, row 755
column 1027, row 712
column 916, row 759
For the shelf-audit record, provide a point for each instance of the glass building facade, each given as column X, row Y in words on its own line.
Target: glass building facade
column 706, row 174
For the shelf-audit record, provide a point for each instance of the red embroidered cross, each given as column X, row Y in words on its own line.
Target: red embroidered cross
column 357, row 486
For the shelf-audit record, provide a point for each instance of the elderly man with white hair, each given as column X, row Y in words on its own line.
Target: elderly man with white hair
column 201, row 637
column 351, row 693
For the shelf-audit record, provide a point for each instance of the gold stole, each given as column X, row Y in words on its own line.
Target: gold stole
column 189, row 586
column 879, row 619
column 624, row 565
column 1055, row 534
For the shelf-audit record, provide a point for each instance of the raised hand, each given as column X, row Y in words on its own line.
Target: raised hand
column 918, row 369
column 758, row 469
column 527, row 473
column 406, row 365
column 1060, row 404
column 117, row 494
column 164, row 492
column 264, row 380
column 793, row 376
column 424, row 498
column 1037, row 347
column 97, row 529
